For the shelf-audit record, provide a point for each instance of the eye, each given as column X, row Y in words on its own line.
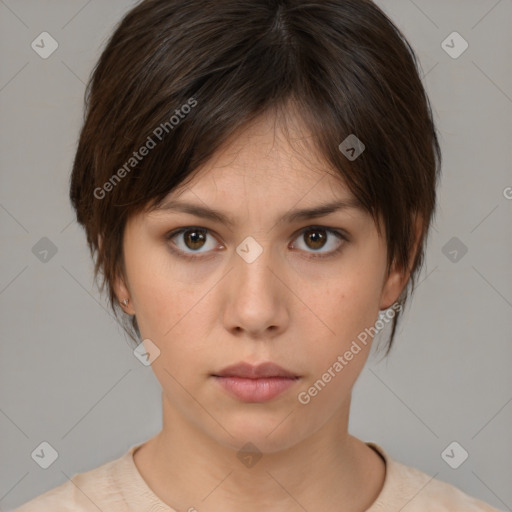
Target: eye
column 194, row 238
column 191, row 242
column 319, row 237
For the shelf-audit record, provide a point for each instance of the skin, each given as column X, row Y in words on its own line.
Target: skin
column 284, row 307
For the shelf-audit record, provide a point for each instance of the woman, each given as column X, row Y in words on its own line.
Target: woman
column 256, row 180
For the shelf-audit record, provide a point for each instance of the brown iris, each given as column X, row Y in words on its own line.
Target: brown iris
column 196, row 236
column 316, row 236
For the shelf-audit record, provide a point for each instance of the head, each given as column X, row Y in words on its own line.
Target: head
column 249, row 109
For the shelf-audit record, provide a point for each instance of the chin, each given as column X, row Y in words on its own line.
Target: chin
column 270, row 432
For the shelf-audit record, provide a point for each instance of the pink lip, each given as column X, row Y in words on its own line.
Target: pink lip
column 258, row 383
column 249, row 371
column 256, row 390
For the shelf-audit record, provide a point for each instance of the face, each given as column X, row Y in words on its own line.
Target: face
column 262, row 286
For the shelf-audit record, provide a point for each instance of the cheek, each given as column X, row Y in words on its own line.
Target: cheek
column 173, row 304
column 159, row 298
column 347, row 307
column 336, row 355
column 350, row 303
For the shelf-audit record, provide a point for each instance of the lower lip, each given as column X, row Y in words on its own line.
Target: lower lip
column 256, row 390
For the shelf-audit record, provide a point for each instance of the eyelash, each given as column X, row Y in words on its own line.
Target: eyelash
column 194, row 256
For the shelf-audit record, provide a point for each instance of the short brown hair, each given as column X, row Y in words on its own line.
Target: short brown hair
column 343, row 63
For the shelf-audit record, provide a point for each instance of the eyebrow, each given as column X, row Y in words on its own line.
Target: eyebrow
column 206, row 212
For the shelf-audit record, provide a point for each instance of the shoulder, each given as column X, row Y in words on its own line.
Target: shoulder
column 428, row 493
column 82, row 493
column 64, row 498
column 415, row 491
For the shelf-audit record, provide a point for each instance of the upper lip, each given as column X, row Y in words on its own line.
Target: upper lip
column 249, row 371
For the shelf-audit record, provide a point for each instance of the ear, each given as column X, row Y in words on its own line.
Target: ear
column 122, row 293
column 397, row 279
column 120, row 289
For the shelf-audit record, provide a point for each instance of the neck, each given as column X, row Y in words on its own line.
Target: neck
column 188, row 469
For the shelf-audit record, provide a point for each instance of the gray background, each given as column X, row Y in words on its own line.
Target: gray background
column 67, row 373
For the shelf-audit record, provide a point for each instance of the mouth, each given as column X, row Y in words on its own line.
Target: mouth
column 255, row 384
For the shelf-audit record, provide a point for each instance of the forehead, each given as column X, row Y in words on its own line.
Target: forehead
column 272, row 157
column 270, row 174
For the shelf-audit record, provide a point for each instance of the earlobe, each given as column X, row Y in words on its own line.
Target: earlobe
column 123, row 294
column 395, row 284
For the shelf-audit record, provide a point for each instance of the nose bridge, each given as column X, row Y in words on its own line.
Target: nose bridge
column 255, row 300
column 253, row 263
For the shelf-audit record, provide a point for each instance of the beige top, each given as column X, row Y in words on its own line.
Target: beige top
column 117, row 486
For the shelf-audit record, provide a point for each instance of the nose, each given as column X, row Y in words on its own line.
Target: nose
column 256, row 297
